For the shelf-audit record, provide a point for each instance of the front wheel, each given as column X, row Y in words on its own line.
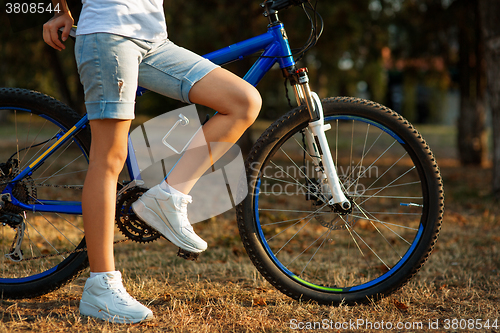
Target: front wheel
column 310, row 250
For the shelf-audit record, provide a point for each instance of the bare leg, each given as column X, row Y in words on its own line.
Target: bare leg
column 107, row 156
column 238, row 104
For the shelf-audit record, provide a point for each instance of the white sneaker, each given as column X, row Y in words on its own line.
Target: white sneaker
column 167, row 213
column 104, row 297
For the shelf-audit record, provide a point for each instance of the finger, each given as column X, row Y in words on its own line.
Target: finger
column 65, row 33
column 47, row 38
column 55, row 39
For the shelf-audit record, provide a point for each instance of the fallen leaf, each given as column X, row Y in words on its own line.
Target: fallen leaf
column 399, row 305
column 259, row 301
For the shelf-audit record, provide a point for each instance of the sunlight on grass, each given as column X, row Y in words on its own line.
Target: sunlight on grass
column 223, row 292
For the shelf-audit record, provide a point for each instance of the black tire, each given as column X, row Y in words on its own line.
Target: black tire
column 321, row 255
column 32, row 119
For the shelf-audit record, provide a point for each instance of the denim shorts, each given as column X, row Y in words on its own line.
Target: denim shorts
column 111, row 67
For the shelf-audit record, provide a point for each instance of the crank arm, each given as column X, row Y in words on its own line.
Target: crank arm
column 133, row 183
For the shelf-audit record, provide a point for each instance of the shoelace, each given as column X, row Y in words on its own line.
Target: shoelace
column 116, row 286
column 183, row 213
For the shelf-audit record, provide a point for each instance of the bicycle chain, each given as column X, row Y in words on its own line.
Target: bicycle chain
column 71, row 187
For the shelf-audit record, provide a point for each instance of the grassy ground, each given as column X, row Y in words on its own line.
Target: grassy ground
column 457, row 290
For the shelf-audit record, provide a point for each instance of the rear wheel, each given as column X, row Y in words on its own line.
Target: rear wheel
column 311, row 250
column 45, row 258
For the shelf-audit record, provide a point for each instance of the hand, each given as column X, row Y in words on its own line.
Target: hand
column 51, row 28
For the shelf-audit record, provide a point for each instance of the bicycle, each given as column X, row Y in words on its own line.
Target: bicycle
column 345, row 197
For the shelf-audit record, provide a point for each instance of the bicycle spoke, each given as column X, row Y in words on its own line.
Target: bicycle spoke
column 287, row 182
column 309, row 220
column 43, row 237
column 378, row 230
column 17, row 137
column 42, row 180
column 305, row 250
column 314, row 254
column 300, row 170
column 279, row 222
column 57, row 173
column 395, row 185
column 59, row 231
column 307, row 217
column 395, row 180
column 26, row 140
column 40, row 150
column 60, row 152
column 368, row 246
column 386, row 224
column 362, row 156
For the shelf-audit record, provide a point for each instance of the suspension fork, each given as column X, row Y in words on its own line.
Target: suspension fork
column 317, row 144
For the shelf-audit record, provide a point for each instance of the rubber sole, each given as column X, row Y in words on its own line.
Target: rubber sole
column 89, row 310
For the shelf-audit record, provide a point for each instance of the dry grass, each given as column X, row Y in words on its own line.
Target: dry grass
column 224, row 293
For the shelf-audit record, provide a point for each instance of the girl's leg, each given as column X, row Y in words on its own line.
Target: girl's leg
column 108, row 153
column 104, row 296
column 237, row 104
column 110, row 85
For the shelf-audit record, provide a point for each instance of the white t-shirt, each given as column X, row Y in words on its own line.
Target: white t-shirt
column 141, row 19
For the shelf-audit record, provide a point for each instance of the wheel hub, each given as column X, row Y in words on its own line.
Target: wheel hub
column 336, row 217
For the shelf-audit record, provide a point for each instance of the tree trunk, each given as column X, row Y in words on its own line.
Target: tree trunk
column 471, row 122
column 490, row 14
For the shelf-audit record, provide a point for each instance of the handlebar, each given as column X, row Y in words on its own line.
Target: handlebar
column 282, row 4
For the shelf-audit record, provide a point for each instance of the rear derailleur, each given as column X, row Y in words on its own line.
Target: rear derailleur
column 15, row 221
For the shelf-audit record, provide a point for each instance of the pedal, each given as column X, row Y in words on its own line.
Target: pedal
column 188, row 255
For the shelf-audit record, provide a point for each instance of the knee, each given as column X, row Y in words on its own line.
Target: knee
column 110, row 163
column 250, row 104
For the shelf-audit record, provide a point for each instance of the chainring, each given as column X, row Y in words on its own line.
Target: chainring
column 129, row 224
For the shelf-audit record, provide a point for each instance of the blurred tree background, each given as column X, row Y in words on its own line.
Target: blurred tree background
column 425, row 59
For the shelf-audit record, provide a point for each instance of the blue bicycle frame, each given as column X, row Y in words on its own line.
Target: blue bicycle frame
column 276, row 50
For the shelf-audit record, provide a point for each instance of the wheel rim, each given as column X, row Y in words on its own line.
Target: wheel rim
column 48, row 236
column 323, row 250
